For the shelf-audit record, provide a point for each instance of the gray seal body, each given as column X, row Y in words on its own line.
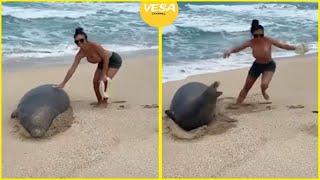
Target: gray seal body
column 38, row 108
column 193, row 105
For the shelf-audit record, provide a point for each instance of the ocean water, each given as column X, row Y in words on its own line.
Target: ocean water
column 39, row 30
column 195, row 42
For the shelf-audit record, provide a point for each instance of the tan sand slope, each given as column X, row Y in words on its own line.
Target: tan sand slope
column 119, row 141
column 269, row 140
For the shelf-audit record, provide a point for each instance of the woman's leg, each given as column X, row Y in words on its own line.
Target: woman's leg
column 247, row 86
column 112, row 72
column 96, row 79
column 265, row 81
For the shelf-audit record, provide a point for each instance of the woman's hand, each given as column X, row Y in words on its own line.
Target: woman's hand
column 60, row 86
column 301, row 49
column 226, row 54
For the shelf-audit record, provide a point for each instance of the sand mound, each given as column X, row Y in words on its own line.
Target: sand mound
column 59, row 125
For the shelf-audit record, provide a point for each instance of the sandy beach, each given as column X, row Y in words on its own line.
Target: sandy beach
column 274, row 139
column 118, row 141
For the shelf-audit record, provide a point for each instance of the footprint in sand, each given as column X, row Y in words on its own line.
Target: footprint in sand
column 268, row 102
column 112, row 102
column 236, row 106
column 150, row 106
column 268, row 107
column 123, row 107
column 295, row 106
column 227, row 105
column 118, row 102
column 116, row 139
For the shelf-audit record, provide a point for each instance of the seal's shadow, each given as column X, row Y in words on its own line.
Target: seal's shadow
column 221, row 123
column 59, row 125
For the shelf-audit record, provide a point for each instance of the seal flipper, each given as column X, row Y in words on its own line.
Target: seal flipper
column 169, row 114
column 14, row 114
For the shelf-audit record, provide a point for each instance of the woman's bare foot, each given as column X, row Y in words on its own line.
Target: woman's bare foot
column 102, row 103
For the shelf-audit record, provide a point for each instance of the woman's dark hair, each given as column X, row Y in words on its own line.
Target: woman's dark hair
column 255, row 26
column 78, row 31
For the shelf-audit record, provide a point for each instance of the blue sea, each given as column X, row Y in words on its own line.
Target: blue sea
column 43, row 30
column 194, row 44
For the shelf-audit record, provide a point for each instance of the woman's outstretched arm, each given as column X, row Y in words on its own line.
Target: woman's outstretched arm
column 282, row 45
column 71, row 70
column 236, row 49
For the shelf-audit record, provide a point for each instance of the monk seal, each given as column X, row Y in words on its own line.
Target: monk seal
column 193, row 105
column 39, row 107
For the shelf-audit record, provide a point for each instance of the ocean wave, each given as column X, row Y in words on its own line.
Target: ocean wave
column 121, row 7
column 208, row 19
column 62, row 50
column 241, row 8
column 183, row 69
column 213, row 30
column 109, row 7
column 218, row 28
column 31, row 13
column 69, row 10
column 212, row 23
column 177, row 70
column 171, row 29
column 261, row 9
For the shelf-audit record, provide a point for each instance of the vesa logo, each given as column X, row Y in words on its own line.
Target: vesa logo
column 159, row 14
column 161, row 9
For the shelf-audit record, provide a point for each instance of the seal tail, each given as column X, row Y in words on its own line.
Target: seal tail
column 14, row 114
column 169, row 114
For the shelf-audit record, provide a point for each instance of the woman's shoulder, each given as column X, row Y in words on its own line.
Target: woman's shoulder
column 80, row 53
column 271, row 40
column 95, row 44
column 268, row 38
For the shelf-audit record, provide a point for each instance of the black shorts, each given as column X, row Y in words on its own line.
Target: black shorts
column 115, row 61
column 258, row 68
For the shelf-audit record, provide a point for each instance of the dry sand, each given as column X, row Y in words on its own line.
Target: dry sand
column 269, row 140
column 117, row 141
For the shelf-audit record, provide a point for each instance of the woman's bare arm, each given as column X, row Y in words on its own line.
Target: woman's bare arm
column 105, row 56
column 281, row 45
column 236, row 49
column 72, row 69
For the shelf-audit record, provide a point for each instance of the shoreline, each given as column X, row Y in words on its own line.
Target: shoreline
column 276, row 59
column 60, row 61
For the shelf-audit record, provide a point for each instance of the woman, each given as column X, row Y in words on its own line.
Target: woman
column 261, row 51
column 108, row 63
